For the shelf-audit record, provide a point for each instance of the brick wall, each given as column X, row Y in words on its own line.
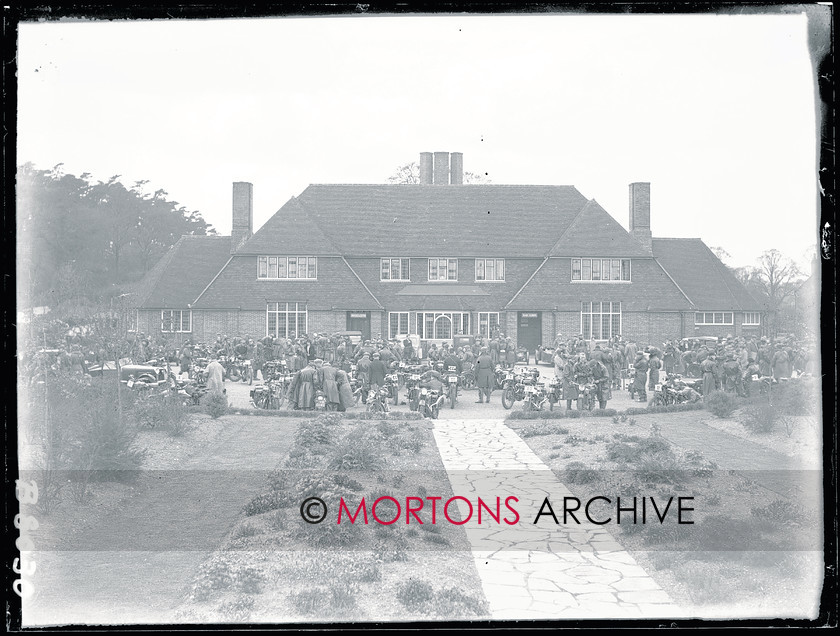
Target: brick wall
column 651, row 327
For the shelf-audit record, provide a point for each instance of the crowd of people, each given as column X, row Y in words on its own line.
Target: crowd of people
column 329, row 363
column 728, row 364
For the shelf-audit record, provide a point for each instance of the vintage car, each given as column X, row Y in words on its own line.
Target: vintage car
column 151, row 374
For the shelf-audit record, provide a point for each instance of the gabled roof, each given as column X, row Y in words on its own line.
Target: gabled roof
column 183, row 272
column 701, row 275
column 594, row 232
column 289, row 231
column 236, row 287
column 425, row 220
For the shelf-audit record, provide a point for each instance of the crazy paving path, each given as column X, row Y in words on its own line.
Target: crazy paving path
column 545, row 570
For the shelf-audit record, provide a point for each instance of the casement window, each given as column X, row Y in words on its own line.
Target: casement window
column 442, row 325
column 600, row 319
column 713, row 318
column 490, row 269
column 488, row 323
column 285, row 320
column 394, row 269
column 752, row 318
column 443, row 269
column 602, row 270
column 176, row 320
column 287, row 267
column 397, row 324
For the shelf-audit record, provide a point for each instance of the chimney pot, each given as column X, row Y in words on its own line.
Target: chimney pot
column 426, row 169
column 456, row 168
column 441, row 173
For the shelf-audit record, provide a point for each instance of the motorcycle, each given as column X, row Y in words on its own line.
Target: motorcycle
column 586, row 396
column 555, row 392
column 429, row 403
column 467, row 380
column 377, row 400
column 452, row 382
column 270, row 395
column 514, row 385
column 198, row 370
column 246, row 371
column 412, row 384
column 392, row 386
column 534, row 397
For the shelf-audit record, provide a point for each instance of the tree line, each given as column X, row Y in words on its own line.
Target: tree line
column 85, row 240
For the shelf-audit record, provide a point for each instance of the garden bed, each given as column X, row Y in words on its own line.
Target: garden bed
column 275, row 567
column 751, row 551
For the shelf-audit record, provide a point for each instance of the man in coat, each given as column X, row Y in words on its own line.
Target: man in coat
column 307, row 381
column 329, row 384
column 484, row 376
column 215, row 377
column 378, row 371
column 707, row 367
column 640, row 378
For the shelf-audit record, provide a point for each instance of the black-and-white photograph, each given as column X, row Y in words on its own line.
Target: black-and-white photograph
column 420, row 318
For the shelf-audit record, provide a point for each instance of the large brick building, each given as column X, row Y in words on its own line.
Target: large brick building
column 441, row 258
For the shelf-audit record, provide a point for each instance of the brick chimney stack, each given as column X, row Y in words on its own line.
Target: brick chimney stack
column 456, row 168
column 441, row 175
column 243, row 214
column 426, row 169
column 640, row 215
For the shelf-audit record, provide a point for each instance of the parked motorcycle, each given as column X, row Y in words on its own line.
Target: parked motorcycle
column 429, row 403
column 392, row 386
column 270, row 395
column 412, row 384
column 555, row 392
column 534, row 397
column 587, row 396
column 377, row 400
column 514, row 385
column 452, row 384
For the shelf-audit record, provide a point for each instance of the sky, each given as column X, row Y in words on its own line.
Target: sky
column 716, row 112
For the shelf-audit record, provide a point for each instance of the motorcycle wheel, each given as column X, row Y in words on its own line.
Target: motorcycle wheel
column 469, row 381
column 250, row 376
column 528, row 405
column 508, row 398
column 453, row 395
column 580, row 404
column 413, row 403
column 396, row 396
column 435, row 412
column 234, row 375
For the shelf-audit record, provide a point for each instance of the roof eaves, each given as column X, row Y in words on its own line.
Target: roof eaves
column 213, row 280
column 525, row 284
column 381, row 306
column 671, row 278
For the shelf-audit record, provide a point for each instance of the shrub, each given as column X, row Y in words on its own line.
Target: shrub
column 761, row 418
column 780, row 511
column 579, row 473
column 244, row 531
column 797, row 397
column 313, row 433
column 356, row 451
column 212, row 577
column 250, row 580
column 453, row 602
column 721, row 404
column 413, row 594
column 265, row 502
column 369, row 573
column 215, row 404
column 237, row 610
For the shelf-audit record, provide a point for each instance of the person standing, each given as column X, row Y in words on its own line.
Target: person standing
column 707, row 368
column 654, row 364
column 215, row 377
column 345, row 391
column 484, row 376
column 329, row 383
column 307, row 381
column 378, row 371
column 640, row 378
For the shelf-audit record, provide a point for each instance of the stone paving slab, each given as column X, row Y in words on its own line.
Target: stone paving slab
column 543, row 570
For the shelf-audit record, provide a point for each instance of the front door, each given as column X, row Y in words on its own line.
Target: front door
column 529, row 331
column 359, row 321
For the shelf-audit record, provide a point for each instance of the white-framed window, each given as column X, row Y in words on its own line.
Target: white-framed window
column 442, row 325
column 490, row 269
column 285, row 320
column 601, row 270
column 176, row 320
column 752, row 318
column 394, row 269
column 443, row 269
column 488, row 323
column 713, row 318
column 397, row 323
column 287, row 267
column 600, row 319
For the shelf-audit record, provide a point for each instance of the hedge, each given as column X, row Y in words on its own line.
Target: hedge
column 364, row 415
column 559, row 415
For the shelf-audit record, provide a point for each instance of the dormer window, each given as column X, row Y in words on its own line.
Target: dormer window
column 287, row 267
column 601, row 270
column 443, row 269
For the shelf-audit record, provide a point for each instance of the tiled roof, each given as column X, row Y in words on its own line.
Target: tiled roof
column 423, row 220
column 237, row 287
column 289, row 231
column 701, row 275
column 551, row 286
column 595, row 233
column 183, row 272
column 442, row 289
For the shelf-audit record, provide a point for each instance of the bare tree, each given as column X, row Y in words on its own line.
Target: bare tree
column 776, row 279
column 721, row 253
column 407, row 174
